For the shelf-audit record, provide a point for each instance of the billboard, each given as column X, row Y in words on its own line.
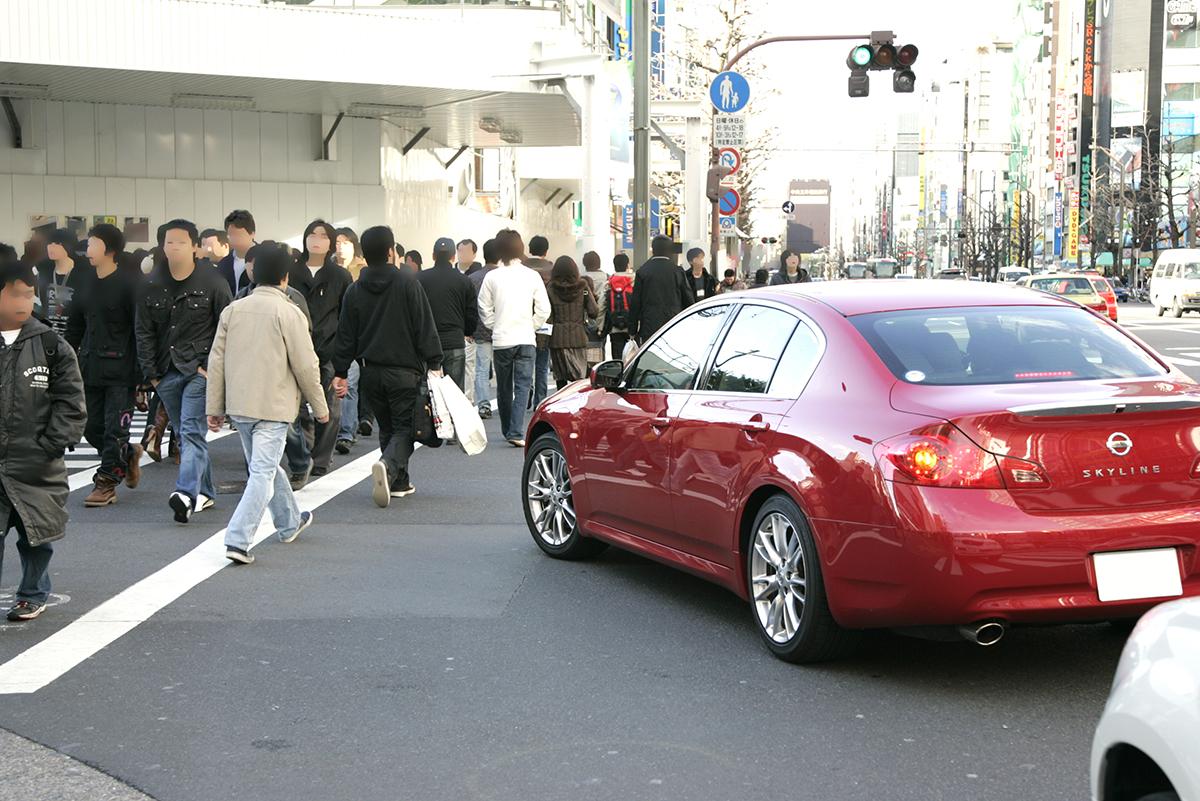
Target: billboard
column 1128, row 169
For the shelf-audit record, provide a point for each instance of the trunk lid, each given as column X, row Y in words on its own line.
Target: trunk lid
column 1104, row 445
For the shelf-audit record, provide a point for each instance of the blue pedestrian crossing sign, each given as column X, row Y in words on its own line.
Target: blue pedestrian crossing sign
column 730, row 202
column 728, row 225
column 730, row 92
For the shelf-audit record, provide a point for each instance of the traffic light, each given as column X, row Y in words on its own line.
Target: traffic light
column 716, row 174
column 882, row 54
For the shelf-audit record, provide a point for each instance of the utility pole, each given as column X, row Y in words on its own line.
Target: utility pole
column 641, row 132
column 962, row 204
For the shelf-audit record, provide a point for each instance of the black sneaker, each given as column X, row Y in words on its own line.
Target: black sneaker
column 298, row 480
column 317, row 472
column 238, row 556
column 364, row 428
column 25, row 610
column 343, row 446
column 181, row 505
column 306, row 519
column 485, row 412
column 403, row 492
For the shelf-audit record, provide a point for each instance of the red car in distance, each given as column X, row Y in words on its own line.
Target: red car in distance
column 884, row 454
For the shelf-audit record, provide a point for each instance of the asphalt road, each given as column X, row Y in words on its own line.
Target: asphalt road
column 429, row 651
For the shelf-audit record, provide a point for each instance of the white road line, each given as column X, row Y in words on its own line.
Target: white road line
column 1183, row 362
column 82, row 476
column 62, row 651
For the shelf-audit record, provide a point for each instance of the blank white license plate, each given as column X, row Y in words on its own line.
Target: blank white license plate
column 1132, row 575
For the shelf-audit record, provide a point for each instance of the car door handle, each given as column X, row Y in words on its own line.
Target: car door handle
column 756, row 426
column 660, row 422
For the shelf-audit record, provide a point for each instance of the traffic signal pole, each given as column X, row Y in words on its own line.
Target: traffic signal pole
column 715, row 220
column 641, row 132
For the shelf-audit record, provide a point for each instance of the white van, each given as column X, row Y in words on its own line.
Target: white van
column 1012, row 274
column 1175, row 284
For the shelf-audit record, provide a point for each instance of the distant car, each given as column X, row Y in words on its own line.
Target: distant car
column 1175, row 283
column 1012, row 274
column 884, row 454
column 1120, row 290
column 1104, row 289
column 951, row 275
column 1072, row 286
column 905, row 276
column 1147, row 744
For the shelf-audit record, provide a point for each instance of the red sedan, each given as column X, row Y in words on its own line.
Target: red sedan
column 889, row 454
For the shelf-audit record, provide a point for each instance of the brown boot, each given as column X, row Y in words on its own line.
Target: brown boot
column 133, row 466
column 152, row 438
column 104, row 492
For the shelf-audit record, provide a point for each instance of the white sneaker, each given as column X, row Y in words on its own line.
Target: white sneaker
column 404, row 492
column 379, row 488
column 181, row 505
column 204, row 502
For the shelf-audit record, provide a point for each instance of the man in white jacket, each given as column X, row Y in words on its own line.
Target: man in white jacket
column 514, row 304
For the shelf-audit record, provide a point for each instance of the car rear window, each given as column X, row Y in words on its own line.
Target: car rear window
column 1074, row 285
column 1004, row 345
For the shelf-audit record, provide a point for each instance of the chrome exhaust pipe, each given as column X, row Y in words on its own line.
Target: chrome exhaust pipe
column 985, row 632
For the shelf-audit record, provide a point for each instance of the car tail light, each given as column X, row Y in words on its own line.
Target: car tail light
column 943, row 456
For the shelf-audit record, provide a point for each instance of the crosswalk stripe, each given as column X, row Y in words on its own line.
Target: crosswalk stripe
column 62, row 651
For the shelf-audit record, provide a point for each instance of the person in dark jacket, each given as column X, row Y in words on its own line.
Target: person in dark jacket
column 660, row 291
column 60, row 276
column 101, row 329
column 762, row 277
column 177, row 316
column 317, row 276
column 700, row 282
column 41, row 414
column 483, row 335
column 790, row 271
column 539, row 246
column 571, row 306
column 616, row 305
column 452, row 298
column 387, row 323
column 239, row 238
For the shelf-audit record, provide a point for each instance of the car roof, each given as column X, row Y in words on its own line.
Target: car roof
column 851, row 298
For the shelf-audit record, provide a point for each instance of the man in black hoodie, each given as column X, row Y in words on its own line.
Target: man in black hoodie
column 452, row 298
column 387, row 323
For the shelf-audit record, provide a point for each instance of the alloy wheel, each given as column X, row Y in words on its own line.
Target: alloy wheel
column 778, row 577
column 548, row 491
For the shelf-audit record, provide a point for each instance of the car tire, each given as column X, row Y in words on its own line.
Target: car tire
column 1169, row 795
column 1159, row 310
column 815, row 635
column 550, row 505
column 1176, row 309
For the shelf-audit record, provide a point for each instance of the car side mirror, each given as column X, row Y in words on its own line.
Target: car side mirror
column 607, row 375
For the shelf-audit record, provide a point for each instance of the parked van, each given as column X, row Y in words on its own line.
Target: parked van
column 1175, row 283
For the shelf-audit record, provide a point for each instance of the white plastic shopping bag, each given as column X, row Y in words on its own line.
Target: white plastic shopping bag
column 472, row 437
column 443, row 423
column 631, row 350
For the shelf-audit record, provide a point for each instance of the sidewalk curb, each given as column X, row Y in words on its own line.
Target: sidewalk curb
column 33, row 772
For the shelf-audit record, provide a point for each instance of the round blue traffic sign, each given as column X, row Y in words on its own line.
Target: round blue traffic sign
column 730, row 202
column 730, row 92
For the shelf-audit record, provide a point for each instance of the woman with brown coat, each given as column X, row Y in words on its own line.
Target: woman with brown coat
column 571, row 306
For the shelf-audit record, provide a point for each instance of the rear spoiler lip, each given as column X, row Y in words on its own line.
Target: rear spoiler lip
column 1130, row 405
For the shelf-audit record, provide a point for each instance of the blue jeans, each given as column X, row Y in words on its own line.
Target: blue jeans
column 542, row 377
column 35, row 559
column 483, row 378
column 267, row 486
column 349, row 427
column 514, row 374
column 184, row 397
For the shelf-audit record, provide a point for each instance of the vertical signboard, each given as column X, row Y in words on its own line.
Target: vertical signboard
column 1060, row 136
column 1073, row 228
column 1058, row 225
column 1087, row 99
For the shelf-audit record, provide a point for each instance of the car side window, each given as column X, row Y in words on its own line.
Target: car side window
column 747, row 358
column 671, row 361
column 797, row 364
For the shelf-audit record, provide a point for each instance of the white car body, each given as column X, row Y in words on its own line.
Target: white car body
column 1175, row 283
column 1148, row 739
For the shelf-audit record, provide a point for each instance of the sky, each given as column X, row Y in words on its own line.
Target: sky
column 806, row 82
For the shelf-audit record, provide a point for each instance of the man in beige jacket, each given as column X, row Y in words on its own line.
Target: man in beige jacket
column 261, row 365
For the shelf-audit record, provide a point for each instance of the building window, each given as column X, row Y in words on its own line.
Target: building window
column 1182, row 38
column 1181, row 91
column 984, row 125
